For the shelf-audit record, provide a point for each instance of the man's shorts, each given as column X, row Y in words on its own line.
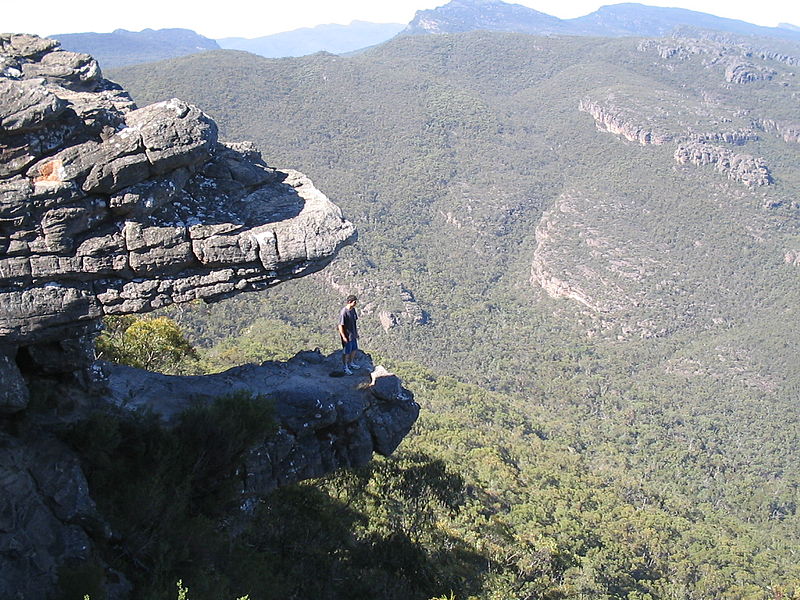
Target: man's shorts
column 350, row 346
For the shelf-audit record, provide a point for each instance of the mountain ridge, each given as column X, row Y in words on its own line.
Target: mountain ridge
column 333, row 38
column 122, row 47
column 623, row 19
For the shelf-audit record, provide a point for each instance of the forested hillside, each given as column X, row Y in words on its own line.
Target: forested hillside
column 591, row 247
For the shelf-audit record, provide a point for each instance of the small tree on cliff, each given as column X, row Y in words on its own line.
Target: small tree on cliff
column 155, row 344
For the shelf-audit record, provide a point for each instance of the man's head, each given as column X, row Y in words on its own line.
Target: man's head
column 351, row 300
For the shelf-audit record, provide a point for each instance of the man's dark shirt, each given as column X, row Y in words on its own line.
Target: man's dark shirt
column 348, row 318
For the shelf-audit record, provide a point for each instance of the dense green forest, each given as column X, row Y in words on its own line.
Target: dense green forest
column 643, row 444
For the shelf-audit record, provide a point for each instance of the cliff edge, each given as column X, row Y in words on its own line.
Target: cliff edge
column 107, row 208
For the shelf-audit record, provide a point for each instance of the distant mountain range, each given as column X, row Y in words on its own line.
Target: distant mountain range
column 122, row 48
column 337, row 39
column 616, row 20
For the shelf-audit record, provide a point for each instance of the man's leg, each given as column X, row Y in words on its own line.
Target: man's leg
column 348, row 353
column 353, row 349
column 345, row 368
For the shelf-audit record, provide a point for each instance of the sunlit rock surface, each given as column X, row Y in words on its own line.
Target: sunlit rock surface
column 106, row 209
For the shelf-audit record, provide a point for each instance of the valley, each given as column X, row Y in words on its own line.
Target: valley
column 531, row 195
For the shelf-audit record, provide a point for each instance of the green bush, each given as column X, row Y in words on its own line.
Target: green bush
column 163, row 489
column 154, row 343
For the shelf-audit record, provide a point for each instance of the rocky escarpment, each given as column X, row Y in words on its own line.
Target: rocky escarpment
column 639, row 122
column 574, row 225
column 107, row 208
column 617, row 275
column 703, row 124
column 621, row 121
column 744, row 168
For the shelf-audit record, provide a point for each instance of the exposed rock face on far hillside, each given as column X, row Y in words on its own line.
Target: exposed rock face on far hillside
column 106, row 208
column 788, row 132
column 642, row 121
column 579, row 257
column 740, row 167
column 614, row 120
column 703, row 127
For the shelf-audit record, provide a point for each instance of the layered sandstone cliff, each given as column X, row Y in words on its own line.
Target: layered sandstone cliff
column 106, row 208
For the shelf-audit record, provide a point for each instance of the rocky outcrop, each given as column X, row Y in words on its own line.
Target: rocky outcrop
column 48, row 518
column 325, row 422
column 787, row 59
column 733, row 61
column 106, row 208
column 615, row 120
column 743, row 72
column 617, row 276
column 792, row 257
column 682, row 48
column 738, row 137
column 109, row 209
column 636, row 124
column 788, row 132
column 744, row 168
column 550, row 271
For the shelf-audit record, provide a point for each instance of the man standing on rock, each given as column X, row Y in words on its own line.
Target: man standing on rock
column 348, row 331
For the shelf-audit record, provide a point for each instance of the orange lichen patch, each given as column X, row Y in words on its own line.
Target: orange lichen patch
column 50, row 171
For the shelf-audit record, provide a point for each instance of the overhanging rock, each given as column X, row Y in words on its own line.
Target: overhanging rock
column 107, row 209
column 110, row 209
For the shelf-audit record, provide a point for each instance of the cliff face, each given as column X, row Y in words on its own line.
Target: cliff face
column 705, row 129
column 110, row 209
column 106, row 208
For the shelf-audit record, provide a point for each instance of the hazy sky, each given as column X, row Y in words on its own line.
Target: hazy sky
column 249, row 18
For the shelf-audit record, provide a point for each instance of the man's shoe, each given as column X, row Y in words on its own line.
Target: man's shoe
column 347, row 371
column 355, row 366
